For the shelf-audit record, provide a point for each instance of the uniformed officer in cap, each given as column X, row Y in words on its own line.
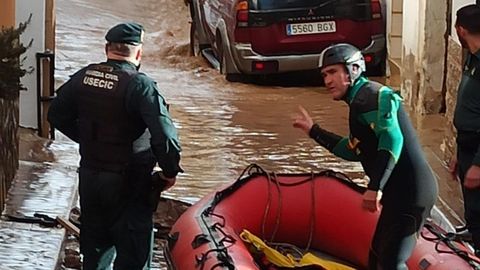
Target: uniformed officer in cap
column 466, row 120
column 123, row 127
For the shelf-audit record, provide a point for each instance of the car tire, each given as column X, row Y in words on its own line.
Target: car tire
column 223, row 60
column 195, row 46
column 223, row 65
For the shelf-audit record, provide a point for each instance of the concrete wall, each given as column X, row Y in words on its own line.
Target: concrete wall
column 35, row 31
column 12, row 13
column 395, row 27
column 423, row 54
column 392, row 10
column 410, row 53
column 454, row 73
column 433, row 62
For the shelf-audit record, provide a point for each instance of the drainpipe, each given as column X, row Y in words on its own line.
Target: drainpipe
column 443, row 107
column 41, row 99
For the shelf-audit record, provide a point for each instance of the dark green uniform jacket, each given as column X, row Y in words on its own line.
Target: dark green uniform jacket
column 107, row 108
column 467, row 122
column 467, row 112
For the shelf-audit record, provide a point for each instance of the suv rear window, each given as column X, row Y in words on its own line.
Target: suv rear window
column 285, row 4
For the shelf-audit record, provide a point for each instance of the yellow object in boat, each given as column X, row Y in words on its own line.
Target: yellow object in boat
column 288, row 260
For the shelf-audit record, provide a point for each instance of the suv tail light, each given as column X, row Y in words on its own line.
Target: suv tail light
column 242, row 13
column 368, row 58
column 265, row 66
column 376, row 9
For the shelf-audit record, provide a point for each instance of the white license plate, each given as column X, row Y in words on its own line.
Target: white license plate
column 311, row 28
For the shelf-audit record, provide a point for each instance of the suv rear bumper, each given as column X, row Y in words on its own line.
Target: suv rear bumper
column 244, row 55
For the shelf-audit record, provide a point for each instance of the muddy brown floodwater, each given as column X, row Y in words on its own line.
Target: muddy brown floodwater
column 223, row 126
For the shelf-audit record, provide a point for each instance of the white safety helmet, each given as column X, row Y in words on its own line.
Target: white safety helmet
column 346, row 54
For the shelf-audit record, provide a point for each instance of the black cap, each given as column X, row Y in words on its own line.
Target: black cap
column 467, row 17
column 128, row 33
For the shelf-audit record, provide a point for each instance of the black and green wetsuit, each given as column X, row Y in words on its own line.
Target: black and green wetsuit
column 384, row 141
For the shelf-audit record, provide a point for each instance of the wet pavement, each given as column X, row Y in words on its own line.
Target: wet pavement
column 39, row 187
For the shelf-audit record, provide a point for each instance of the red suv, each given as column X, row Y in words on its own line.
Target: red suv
column 274, row 36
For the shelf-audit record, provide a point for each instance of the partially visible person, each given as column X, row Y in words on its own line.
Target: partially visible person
column 124, row 128
column 384, row 141
column 467, row 120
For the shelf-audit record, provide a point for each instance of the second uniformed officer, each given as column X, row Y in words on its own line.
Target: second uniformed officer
column 123, row 127
column 466, row 120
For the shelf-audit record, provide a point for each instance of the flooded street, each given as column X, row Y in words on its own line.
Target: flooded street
column 223, row 126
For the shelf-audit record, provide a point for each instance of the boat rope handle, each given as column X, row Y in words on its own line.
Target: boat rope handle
column 447, row 239
column 221, row 264
column 272, row 178
column 312, row 216
column 221, row 249
column 222, row 257
column 256, row 167
column 267, row 207
column 251, row 170
column 200, row 260
column 287, row 248
column 222, row 218
column 226, row 237
column 280, row 204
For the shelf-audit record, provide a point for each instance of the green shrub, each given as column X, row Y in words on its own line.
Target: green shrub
column 10, row 62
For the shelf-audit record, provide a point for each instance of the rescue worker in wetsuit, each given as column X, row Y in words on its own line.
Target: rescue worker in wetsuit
column 466, row 120
column 123, row 127
column 384, row 141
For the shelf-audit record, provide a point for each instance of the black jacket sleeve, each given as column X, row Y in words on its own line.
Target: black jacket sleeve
column 385, row 163
column 147, row 101
column 63, row 113
column 323, row 137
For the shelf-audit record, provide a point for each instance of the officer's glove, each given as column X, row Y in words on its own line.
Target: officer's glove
column 159, row 183
column 167, row 182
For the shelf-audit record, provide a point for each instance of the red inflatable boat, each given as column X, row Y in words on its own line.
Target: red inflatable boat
column 311, row 211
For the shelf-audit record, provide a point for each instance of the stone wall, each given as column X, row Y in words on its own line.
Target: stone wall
column 410, row 80
column 424, row 56
column 454, row 73
column 433, row 58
